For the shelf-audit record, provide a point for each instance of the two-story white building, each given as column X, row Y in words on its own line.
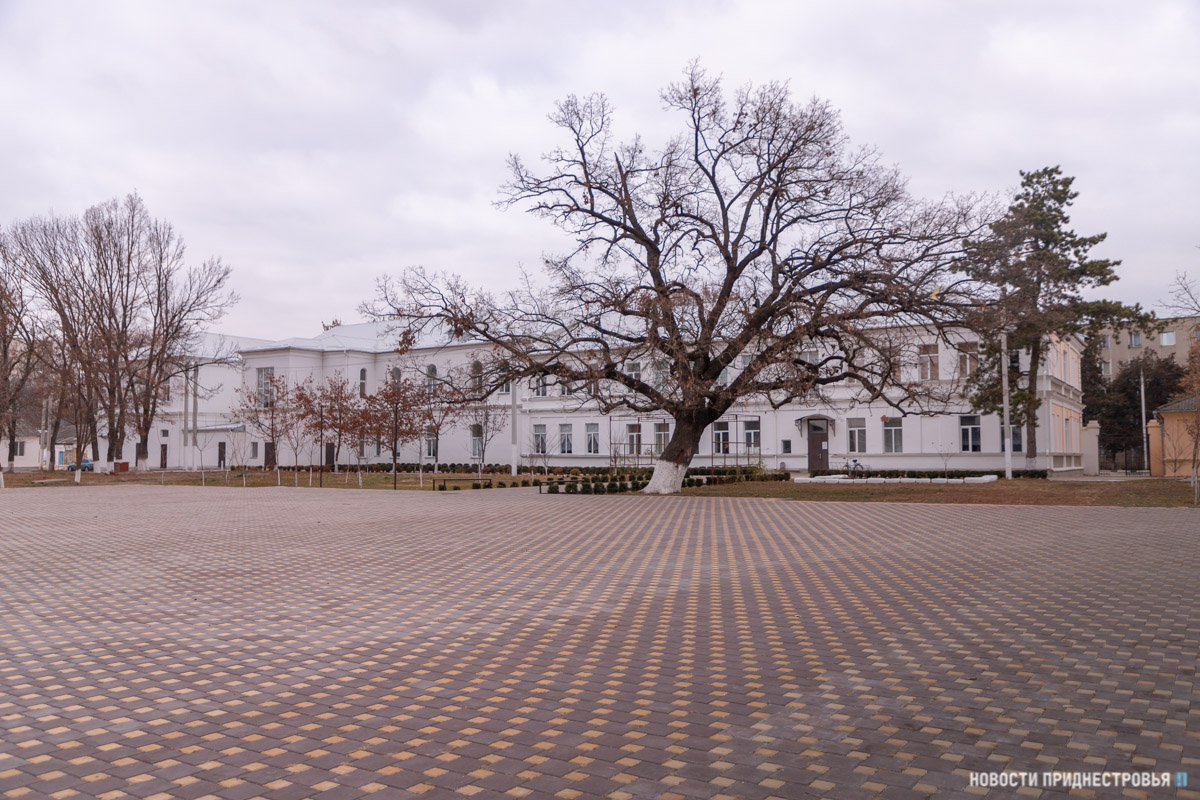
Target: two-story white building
column 548, row 425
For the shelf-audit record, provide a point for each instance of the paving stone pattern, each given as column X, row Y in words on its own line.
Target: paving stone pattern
column 280, row 643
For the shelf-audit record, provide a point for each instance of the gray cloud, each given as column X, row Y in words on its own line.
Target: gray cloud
column 315, row 146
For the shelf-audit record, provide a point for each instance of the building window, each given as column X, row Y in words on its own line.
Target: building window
column 539, row 386
column 431, row 378
column 19, row 448
column 633, row 438
column 1167, row 339
column 721, row 437
column 752, row 434
column 1196, row 334
column 477, row 376
column 592, row 433
column 857, row 428
column 893, row 435
column 253, row 450
column 164, row 433
column 566, row 440
column 1014, row 436
column 927, row 358
column 539, row 439
column 1135, row 340
column 265, row 385
column 431, row 443
column 662, row 435
column 396, row 375
column 635, row 370
column 662, row 376
column 506, row 387
column 1105, row 341
column 1014, row 361
column 476, row 441
column 567, row 388
column 723, row 378
column 1106, row 368
column 970, row 433
column 362, row 383
column 968, row 359
column 785, row 446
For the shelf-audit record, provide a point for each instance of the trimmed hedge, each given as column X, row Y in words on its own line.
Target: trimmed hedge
column 933, row 473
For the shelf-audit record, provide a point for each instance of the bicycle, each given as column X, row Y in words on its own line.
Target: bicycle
column 856, row 469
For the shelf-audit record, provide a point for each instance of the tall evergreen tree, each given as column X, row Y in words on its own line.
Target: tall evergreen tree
column 1037, row 269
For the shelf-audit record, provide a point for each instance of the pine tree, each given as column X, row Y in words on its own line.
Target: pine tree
column 1037, row 268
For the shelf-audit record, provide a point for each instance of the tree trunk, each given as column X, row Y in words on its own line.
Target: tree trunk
column 141, row 453
column 671, row 466
column 53, row 438
column 12, row 444
column 1031, row 418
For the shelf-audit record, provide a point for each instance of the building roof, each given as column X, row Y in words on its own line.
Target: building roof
column 363, row 337
column 1184, row 405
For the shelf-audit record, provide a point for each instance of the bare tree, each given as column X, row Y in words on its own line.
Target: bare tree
column 484, row 421
column 18, row 351
column 395, row 415
column 125, row 305
column 758, row 231
column 1185, row 296
column 266, row 410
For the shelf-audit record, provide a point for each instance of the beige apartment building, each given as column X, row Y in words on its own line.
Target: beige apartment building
column 1179, row 334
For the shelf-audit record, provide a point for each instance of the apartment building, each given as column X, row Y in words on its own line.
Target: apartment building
column 1119, row 347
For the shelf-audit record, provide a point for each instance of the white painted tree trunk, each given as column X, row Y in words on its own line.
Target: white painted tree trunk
column 667, row 478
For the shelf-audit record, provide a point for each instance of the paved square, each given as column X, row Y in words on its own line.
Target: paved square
column 280, row 643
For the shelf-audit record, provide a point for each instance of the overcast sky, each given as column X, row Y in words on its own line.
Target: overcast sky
column 314, row 146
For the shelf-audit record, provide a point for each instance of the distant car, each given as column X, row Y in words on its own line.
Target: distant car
column 86, row 466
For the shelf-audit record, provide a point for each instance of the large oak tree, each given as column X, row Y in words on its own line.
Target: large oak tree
column 755, row 255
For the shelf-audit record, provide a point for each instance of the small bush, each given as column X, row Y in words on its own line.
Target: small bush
column 572, row 488
column 476, row 485
column 585, row 488
column 525, row 482
column 552, row 488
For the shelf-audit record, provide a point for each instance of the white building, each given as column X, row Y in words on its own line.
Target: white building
column 547, row 426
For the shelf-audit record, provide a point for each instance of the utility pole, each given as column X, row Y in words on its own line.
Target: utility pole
column 1006, row 434
column 1145, row 433
column 516, row 455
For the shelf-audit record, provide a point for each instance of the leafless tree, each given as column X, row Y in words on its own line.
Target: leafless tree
column 266, row 410
column 126, row 306
column 484, row 421
column 1185, row 296
column 18, row 350
column 758, row 231
column 395, row 415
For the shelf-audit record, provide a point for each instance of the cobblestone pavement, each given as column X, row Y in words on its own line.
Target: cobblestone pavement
column 280, row 643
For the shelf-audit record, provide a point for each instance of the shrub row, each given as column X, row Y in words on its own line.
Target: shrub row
column 933, row 473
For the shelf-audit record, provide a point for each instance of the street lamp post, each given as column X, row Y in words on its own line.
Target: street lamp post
column 1006, row 434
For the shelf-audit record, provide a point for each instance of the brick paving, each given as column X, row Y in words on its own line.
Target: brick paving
column 186, row 643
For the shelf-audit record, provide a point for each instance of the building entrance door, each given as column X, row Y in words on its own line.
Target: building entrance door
column 221, row 455
column 162, row 456
column 818, row 444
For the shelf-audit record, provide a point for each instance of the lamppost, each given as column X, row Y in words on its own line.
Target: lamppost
column 1006, row 434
